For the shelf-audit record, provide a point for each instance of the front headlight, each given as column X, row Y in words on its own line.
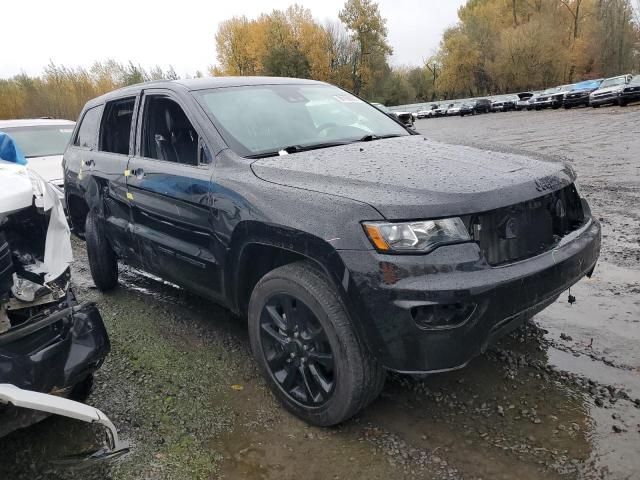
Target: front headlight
column 418, row 237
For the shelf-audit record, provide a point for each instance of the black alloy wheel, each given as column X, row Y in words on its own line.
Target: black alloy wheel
column 297, row 350
column 306, row 346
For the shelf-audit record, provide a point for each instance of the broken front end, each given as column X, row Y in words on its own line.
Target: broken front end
column 49, row 342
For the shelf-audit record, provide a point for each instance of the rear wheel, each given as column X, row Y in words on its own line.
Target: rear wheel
column 103, row 262
column 307, row 349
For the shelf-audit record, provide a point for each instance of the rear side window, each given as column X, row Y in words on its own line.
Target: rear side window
column 87, row 136
column 116, row 126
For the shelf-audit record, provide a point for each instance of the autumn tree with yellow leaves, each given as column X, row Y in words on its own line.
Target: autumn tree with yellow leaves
column 497, row 46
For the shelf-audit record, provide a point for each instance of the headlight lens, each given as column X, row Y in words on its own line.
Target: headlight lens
column 418, row 237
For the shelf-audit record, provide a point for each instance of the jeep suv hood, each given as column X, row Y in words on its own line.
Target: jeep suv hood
column 416, row 178
column 615, row 88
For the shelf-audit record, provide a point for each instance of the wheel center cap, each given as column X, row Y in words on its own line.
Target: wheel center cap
column 295, row 346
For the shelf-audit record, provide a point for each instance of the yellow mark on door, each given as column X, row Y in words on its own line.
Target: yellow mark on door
column 129, row 196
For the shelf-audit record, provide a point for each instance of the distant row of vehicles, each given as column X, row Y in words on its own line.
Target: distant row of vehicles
column 620, row 90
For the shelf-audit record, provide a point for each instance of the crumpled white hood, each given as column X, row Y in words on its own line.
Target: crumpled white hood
column 16, row 191
column 20, row 188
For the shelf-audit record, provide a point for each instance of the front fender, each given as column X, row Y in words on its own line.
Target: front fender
column 311, row 247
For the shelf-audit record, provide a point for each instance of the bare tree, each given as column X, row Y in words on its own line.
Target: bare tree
column 575, row 13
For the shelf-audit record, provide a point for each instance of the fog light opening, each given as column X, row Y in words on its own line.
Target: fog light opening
column 442, row 316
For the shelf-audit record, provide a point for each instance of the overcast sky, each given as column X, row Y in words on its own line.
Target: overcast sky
column 180, row 33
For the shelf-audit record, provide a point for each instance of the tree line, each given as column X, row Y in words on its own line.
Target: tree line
column 497, row 46
column 510, row 45
column 61, row 92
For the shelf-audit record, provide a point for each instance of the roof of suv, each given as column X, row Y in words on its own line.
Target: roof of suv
column 34, row 122
column 204, row 83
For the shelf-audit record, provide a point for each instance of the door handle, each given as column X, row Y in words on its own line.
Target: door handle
column 139, row 173
column 89, row 163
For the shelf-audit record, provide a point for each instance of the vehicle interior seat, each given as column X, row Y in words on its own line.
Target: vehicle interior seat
column 174, row 138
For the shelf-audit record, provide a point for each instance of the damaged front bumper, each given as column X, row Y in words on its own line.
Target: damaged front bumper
column 52, row 353
column 430, row 313
column 50, row 404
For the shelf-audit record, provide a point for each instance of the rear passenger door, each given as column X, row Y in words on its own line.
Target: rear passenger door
column 107, row 165
column 168, row 182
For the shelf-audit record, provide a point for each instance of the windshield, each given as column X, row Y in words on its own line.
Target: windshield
column 552, row 90
column 41, row 140
column 259, row 119
column 587, row 85
column 612, row 82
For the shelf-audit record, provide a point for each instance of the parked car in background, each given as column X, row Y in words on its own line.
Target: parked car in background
column 454, row 109
column 425, row 112
column 504, row 104
column 630, row 93
column 523, row 101
column 441, row 110
column 579, row 94
column 467, row 109
column 608, row 92
column 406, row 118
column 42, row 141
column 482, row 105
column 233, row 188
column 551, row 97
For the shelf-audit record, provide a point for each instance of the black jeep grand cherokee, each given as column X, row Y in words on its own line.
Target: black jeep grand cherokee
column 353, row 245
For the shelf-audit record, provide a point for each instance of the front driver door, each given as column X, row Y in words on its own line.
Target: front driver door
column 169, row 188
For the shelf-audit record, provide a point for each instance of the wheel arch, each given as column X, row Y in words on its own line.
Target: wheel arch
column 80, row 201
column 257, row 248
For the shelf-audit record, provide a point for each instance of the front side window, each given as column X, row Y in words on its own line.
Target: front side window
column 87, row 136
column 115, row 131
column 167, row 133
column 257, row 120
column 41, row 140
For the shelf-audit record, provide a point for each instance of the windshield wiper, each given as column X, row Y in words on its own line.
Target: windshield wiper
column 369, row 137
column 296, row 149
column 316, row 146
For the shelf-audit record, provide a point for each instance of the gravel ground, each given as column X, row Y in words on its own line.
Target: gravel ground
column 557, row 399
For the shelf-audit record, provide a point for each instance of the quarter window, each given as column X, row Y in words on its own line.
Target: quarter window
column 116, row 126
column 87, row 136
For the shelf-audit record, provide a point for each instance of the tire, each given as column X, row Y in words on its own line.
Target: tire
column 622, row 103
column 567, row 107
column 103, row 261
column 356, row 377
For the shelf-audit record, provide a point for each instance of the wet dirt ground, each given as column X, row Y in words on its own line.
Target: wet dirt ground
column 557, row 399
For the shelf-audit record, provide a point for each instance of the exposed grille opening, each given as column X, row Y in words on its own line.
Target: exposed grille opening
column 527, row 229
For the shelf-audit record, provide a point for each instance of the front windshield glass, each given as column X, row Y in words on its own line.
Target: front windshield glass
column 41, row 140
column 612, row 82
column 261, row 119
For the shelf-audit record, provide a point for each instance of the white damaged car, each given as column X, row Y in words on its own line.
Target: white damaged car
column 50, row 344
